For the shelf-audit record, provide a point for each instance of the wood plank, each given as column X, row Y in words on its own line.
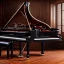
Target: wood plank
column 50, row 57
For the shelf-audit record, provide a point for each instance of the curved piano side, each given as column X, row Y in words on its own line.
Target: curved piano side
column 32, row 19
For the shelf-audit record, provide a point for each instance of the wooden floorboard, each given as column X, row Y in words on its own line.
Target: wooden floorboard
column 50, row 57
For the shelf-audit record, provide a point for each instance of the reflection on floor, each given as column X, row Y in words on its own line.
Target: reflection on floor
column 50, row 57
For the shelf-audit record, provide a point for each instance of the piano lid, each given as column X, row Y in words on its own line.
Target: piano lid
column 24, row 11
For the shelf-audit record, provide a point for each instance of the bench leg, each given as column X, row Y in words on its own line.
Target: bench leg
column 11, row 49
column 0, row 50
column 7, row 52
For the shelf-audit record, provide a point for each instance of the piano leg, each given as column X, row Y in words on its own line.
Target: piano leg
column 20, row 50
column 42, row 48
column 28, row 50
column 11, row 45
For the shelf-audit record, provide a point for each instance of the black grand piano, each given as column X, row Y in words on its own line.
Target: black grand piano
column 35, row 30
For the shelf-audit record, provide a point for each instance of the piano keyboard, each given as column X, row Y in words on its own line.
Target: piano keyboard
column 13, row 38
column 35, row 39
column 48, row 38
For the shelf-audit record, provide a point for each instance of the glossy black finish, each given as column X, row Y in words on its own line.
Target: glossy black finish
column 42, row 32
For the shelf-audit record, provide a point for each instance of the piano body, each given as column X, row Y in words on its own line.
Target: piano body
column 35, row 30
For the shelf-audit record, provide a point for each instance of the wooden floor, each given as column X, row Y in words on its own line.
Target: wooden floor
column 50, row 57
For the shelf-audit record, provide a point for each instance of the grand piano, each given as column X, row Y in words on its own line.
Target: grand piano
column 35, row 30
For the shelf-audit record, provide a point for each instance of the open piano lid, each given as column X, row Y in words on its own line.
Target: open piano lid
column 18, row 19
column 29, row 20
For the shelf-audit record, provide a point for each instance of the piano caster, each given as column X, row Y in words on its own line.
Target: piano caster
column 42, row 54
column 20, row 56
column 27, row 58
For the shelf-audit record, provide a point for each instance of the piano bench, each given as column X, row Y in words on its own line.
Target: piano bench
column 9, row 47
